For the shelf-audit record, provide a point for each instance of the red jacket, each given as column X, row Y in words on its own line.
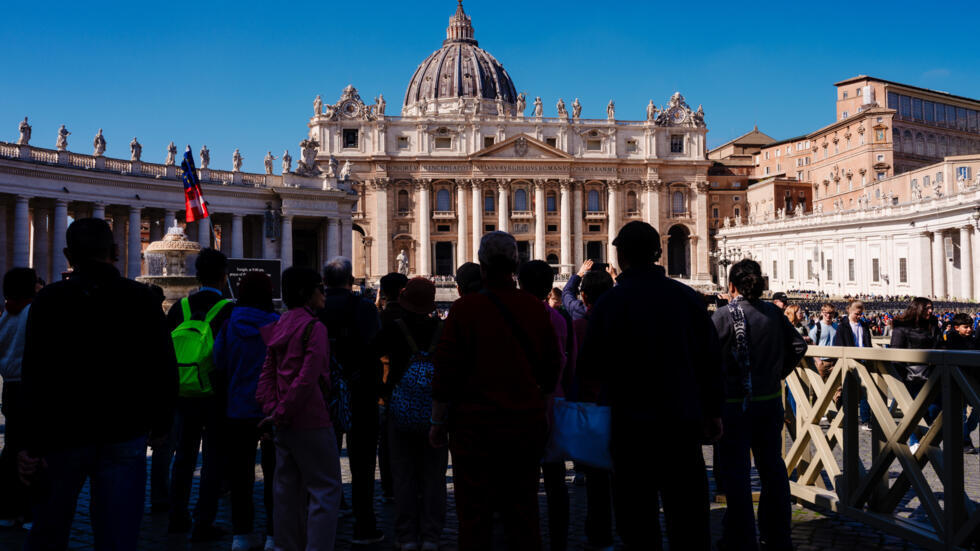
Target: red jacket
column 482, row 370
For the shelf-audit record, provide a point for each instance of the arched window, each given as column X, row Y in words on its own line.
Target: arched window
column 593, row 204
column 442, row 201
column 552, row 202
column 931, row 145
column 520, row 200
column 402, row 202
column 897, row 139
column 907, row 145
column 677, row 203
column 631, row 202
column 943, row 150
column 552, row 259
column 920, row 144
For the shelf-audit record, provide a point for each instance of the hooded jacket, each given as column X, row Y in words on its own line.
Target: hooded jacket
column 907, row 334
column 289, row 386
column 239, row 353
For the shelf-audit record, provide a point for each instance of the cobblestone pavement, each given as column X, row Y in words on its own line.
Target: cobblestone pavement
column 811, row 530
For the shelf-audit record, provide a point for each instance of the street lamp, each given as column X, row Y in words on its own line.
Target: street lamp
column 976, row 217
column 725, row 257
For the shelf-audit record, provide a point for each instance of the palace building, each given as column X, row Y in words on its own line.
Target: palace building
column 469, row 154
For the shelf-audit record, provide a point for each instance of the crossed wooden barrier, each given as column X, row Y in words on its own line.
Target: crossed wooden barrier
column 823, row 456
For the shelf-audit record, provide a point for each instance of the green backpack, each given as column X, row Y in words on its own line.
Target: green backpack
column 194, row 345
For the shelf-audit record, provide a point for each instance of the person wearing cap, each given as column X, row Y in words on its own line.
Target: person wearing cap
column 418, row 469
column 961, row 337
column 654, row 350
column 781, row 300
column 496, row 363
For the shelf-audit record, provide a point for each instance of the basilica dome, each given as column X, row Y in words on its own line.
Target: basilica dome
column 460, row 69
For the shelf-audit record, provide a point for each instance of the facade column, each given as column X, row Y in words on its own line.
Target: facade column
column 922, row 269
column 59, row 264
column 268, row 244
column 98, row 210
column 119, row 239
column 477, row 206
column 703, row 271
column 382, row 238
column 204, row 232
column 966, row 261
column 540, row 250
column 462, row 187
column 134, row 260
column 333, row 238
column 693, row 252
column 566, row 227
column 286, row 241
column 503, row 211
column 169, row 218
column 237, row 236
column 578, row 248
column 938, row 266
column 423, row 266
column 21, row 234
column 42, row 239
column 654, row 190
column 346, row 238
column 612, row 208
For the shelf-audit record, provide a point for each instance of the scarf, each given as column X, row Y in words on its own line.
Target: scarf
column 742, row 357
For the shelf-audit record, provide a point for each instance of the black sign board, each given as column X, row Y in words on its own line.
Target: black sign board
column 238, row 267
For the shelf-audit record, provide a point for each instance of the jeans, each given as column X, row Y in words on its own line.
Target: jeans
column 556, row 492
column 362, row 452
column 242, row 436
column 419, row 478
column 117, row 475
column 755, row 431
column 915, row 386
column 307, row 489
column 198, row 420
column 14, row 500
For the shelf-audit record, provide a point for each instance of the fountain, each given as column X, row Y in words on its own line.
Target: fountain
column 166, row 265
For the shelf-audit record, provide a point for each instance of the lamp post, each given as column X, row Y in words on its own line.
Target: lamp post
column 725, row 257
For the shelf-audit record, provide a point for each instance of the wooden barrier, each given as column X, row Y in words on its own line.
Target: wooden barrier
column 825, row 464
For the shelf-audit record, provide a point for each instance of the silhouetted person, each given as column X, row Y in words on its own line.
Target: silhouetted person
column 390, row 287
column 99, row 375
column 468, row 279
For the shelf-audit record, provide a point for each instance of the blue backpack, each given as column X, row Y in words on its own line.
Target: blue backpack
column 410, row 406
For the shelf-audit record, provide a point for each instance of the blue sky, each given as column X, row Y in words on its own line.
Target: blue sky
column 244, row 74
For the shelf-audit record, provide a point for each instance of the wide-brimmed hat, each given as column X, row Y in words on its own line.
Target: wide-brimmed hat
column 418, row 296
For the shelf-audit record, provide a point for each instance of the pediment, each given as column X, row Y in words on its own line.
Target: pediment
column 521, row 146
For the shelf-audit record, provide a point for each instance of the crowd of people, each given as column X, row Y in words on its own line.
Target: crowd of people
column 404, row 390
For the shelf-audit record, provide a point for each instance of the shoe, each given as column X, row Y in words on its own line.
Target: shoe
column 866, row 426
column 374, row 536
column 270, row 544
column 242, row 542
column 913, row 448
column 208, row 533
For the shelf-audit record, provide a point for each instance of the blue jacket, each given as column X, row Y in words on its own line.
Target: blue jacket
column 239, row 352
column 569, row 298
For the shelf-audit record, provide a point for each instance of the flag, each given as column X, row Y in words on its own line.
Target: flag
column 197, row 209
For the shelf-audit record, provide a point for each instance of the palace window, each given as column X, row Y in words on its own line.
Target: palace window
column 738, row 212
column 442, row 228
column 593, row 145
column 553, row 142
column 403, row 202
column 442, row 201
column 809, row 269
column 551, row 202
column 791, row 273
column 875, row 270
column 552, row 228
column 444, row 143
column 593, row 204
column 594, row 228
column 903, row 270
column 489, row 140
column 488, row 202
column 677, row 203
column 350, row 138
column 631, row 202
column 850, row 269
column 403, row 142
column 489, row 228
column 520, row 200
column 677, row 145
column 631, row 146
column 963, row 172
column 714, row 212
column 830, row 269
column 775, row 272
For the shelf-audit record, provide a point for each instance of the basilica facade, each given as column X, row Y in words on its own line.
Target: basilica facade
column 469, row 155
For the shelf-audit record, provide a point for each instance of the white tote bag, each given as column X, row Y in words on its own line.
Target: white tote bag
column 581, row 432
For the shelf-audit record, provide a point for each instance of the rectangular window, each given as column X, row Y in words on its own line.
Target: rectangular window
column 403, row 142
column 830, row 270
column 350, row 138
column 875, row 270
column 774, row 271
column 844, row 115
column 881, row 175
column 442, row 227
column 595, row 227
column 961, row 118
column 917, row 109
column 950, row 116
column 714, row 212
column 738, row 212
column 929, row 109
column 940, row 114
column 677, row 145
column 963, row 172
column 845, row 95
column 593, row 145
column 893, row 101
column 489, row 228
column 791, row 270
column 631, row 146
column 444, row 143
column 552, row 207
column 850, row 269
column 488, row 203
column 489, row 140
column 906, row 109
column 972, row 120
column 553, row 142
column 552, row 227
column 903, row 270
column 767, row 171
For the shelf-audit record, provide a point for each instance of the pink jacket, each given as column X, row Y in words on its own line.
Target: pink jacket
column 289, row 386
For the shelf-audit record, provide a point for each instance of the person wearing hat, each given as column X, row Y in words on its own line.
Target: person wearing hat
column 654, row 350
column 418, row 469
column 781, row 300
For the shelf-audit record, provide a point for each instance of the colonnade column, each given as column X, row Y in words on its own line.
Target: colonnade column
column 204, row 232
column 98, row 210
column 612, row 208
column 346, row 238
column 540, row 251
column 59, row 264
column 578, row 252
column 42, row 235
column 333, row 238
column 461, row 223
column 477, row 206
column 237, row 236
column 503, row 212
column 938, row 266
column 566, row 227
column 286, row 241
column 425, row 238
column 169, row 217
column 703, row 271
column 135, row 249
column 119, row 238
column 966, row 261
column 22, row 227
column 382, row 237
column 923, row 269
